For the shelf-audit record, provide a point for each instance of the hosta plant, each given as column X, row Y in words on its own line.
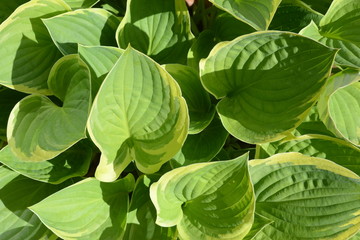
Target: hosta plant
column 190, row 120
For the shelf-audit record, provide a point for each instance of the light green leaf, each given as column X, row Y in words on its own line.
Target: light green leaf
column 138, row 114
column 206, row 200
column 321, row 146
column 349, row 53
column 160, row 29
column 264, row 90
column 256, row 13
column 342, row 21
column 202, row 147
column 8, row 7
column 33, row 129
column 71, row 163
column 27, row 50
column 201, row 110
column 142, row 215
column 356, row 236
column 259, row 223
column 306, row 197
column 76, row 4
column 98, row 212
column 100, row 60
column 84, row 26
column 16, row 194
column 8, row 99
column 339, row 105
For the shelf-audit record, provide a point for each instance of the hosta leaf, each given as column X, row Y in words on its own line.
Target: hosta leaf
column 84, row 26
column 71, row 163
column 330, row 148
column 201, row 110
column 259, row 223
column 8, row 7
column 227, row 28
column 142, row 215
column 75, row 4
column 8, row 99
column 100, row 60
column 356, row 236
column 306, row 197
column 342, row 21
column 202, row 147
column 139, row 115
column 27, row 51
column 16, row 194
column 320, row 6
column 256, row 13
column 206, row 200
column 87, row 210
column 161, row 29
column 291, row 16
column 33, row 129
column 349, row 53
column 264, row 90
column 339, row 105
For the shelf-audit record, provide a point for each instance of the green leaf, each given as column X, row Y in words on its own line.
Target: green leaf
column 227, row 28
column 8, row 99
column 142, row 215
column 27, row 50
column 321, row 146
column 356, row 236
column 339, row 105
column 33, row 129
column 202, row 147
column 265, row 92
column 342, row 21
column 349, row 53
column 160, row 29
column 100, row 60
column 320, row 6
column 71, row 163
column 206, row 200
column 84, row 26
column 256, row 13
column 139, row 115
column 260, row 222
column 8, row 7
column 98, row 212
column 201, row 110
column 16, row 194
column 306, row 197
column 76, row 4
column 291, row 16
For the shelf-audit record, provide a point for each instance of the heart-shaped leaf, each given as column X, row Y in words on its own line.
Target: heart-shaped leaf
column 87, row 210
column 260, row 79
column 16, row 194
column 161, row 29
column 71, row 163
column 33, row 129
column 76, row 4
column 256, row 13
column 85, row 26
column 339, row 105
column 142, row 215
column 201, row 110
column 349, row 53
column 206, row 200
column 306, row 197
column 27, row 50
column 139, row 115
